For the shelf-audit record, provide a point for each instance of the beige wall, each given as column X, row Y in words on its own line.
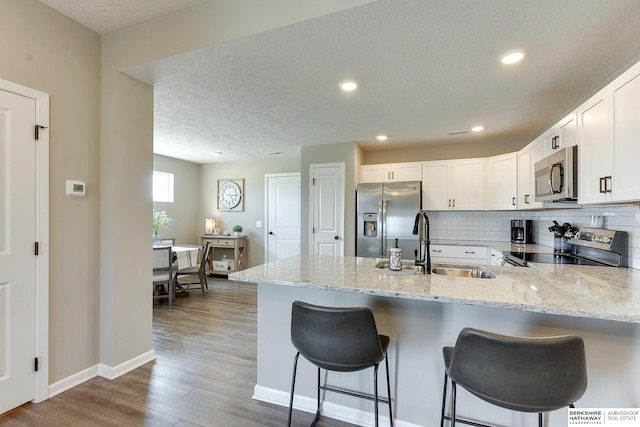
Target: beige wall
column 126, row 148
column 441, row 152
column 101, row 132
column 351, row 155
column 185, row 209
column 253, row 173
column 47, row 51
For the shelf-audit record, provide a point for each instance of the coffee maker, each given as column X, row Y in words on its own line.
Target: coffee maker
column 521, row 231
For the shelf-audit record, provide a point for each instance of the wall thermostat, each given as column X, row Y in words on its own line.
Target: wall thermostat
column 76, row 188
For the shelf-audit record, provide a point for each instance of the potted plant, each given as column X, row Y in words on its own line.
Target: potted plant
column 160, row 219
column 237, row 229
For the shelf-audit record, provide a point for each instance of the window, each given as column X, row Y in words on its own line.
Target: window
column 162, row 187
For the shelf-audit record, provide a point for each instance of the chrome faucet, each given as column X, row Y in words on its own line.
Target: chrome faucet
column 423, row 257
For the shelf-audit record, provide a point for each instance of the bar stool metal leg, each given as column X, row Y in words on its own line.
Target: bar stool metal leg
column 386, row 362
column 293, row 386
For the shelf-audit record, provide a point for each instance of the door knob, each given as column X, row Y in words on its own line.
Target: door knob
column 336, row 237
column 271, row 232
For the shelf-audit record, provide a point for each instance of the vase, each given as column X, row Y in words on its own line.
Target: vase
column 236, row 233
column 157, row 240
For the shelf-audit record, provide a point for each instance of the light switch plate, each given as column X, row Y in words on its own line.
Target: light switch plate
column 258, row 224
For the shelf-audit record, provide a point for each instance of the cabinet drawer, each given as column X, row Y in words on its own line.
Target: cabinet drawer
column 465, row 252
column 220, row 242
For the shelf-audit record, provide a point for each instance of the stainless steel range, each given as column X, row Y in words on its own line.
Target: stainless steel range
column 590, row 246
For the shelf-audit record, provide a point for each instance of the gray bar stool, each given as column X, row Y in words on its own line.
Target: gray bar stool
column 517, row 373
column 338, row 339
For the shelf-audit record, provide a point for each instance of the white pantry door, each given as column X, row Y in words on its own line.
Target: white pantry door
column 18, row 379
column 283, row 216
column 327, row 209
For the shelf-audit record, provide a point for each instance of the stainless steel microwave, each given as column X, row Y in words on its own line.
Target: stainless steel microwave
column 556, row 176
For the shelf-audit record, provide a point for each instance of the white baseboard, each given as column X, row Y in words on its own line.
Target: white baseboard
column 104, row 371
column 113, row 372
column 72, row 381
column 330, row 410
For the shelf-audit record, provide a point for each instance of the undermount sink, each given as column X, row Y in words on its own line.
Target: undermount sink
column 475, row 272
column 407, row 266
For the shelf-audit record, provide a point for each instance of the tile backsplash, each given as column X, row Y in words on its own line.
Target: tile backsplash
column 494, row 226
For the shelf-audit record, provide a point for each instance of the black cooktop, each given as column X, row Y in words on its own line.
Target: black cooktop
column 521, row 258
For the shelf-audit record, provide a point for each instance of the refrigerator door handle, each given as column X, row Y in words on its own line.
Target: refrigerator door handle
column 383, row 222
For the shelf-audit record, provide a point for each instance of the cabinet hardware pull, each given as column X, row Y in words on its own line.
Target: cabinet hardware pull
column 436, row 250
column 449, row 202
column 513, row 201
column 607, row 184
column 454, row 203
column 526, row 198
column 469, row 252
column 602, row 185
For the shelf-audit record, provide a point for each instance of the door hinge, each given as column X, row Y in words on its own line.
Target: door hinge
column 313, row 181
column 313, row 230
column 37, row 131
column 36, row 248
column 35, row 364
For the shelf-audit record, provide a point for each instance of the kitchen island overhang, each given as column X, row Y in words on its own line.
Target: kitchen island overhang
column 423, row 313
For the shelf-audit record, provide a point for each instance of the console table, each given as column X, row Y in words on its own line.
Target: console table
column 224, row 244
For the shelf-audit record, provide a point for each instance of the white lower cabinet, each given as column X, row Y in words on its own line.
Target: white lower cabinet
column 455, row 254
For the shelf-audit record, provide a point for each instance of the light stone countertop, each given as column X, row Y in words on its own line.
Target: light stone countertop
column 570, row 290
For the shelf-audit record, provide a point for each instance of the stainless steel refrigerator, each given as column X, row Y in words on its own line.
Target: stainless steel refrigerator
column 385, row 212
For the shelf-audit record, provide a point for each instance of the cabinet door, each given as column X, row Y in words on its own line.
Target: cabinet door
column 525, row 196
column 435, row 185
column 375, row 173
column 406, row 171
column 596, row 148
column 568, row 131
column 626, row 123
column 502, row 182
column 551, row 141
column 467, row 184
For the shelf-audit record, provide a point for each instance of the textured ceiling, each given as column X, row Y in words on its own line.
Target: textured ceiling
column 426, row 68
column 104, row 16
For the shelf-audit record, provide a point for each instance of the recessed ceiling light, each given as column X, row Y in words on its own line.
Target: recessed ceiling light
column 512, row 56
column 216, row 153
column 477, row 128
column 381, row 137
column 348, row 85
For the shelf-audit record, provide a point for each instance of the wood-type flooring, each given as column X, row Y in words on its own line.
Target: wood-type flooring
column 203, row 375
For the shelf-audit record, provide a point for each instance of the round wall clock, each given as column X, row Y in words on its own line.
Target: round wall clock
column 230, row 194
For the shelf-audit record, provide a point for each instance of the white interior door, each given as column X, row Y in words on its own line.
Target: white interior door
column 327, row 209
column 283, row 216
column 18, row 379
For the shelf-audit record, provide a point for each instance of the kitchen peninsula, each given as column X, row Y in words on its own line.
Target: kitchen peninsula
column 423, row 313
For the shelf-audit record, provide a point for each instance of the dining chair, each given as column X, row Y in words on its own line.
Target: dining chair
column 185, row 278
column 163, row 274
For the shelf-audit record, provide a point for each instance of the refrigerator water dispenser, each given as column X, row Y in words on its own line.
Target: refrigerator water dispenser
column 370, row 224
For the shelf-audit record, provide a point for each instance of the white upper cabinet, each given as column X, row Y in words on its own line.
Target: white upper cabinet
column 596, row 148
column 435, row 185
column 389, row 172
column 609, row 130
column 501, row 182
column 563, row 134
column 453, row 185
column 626, row 134
column 527, row 158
